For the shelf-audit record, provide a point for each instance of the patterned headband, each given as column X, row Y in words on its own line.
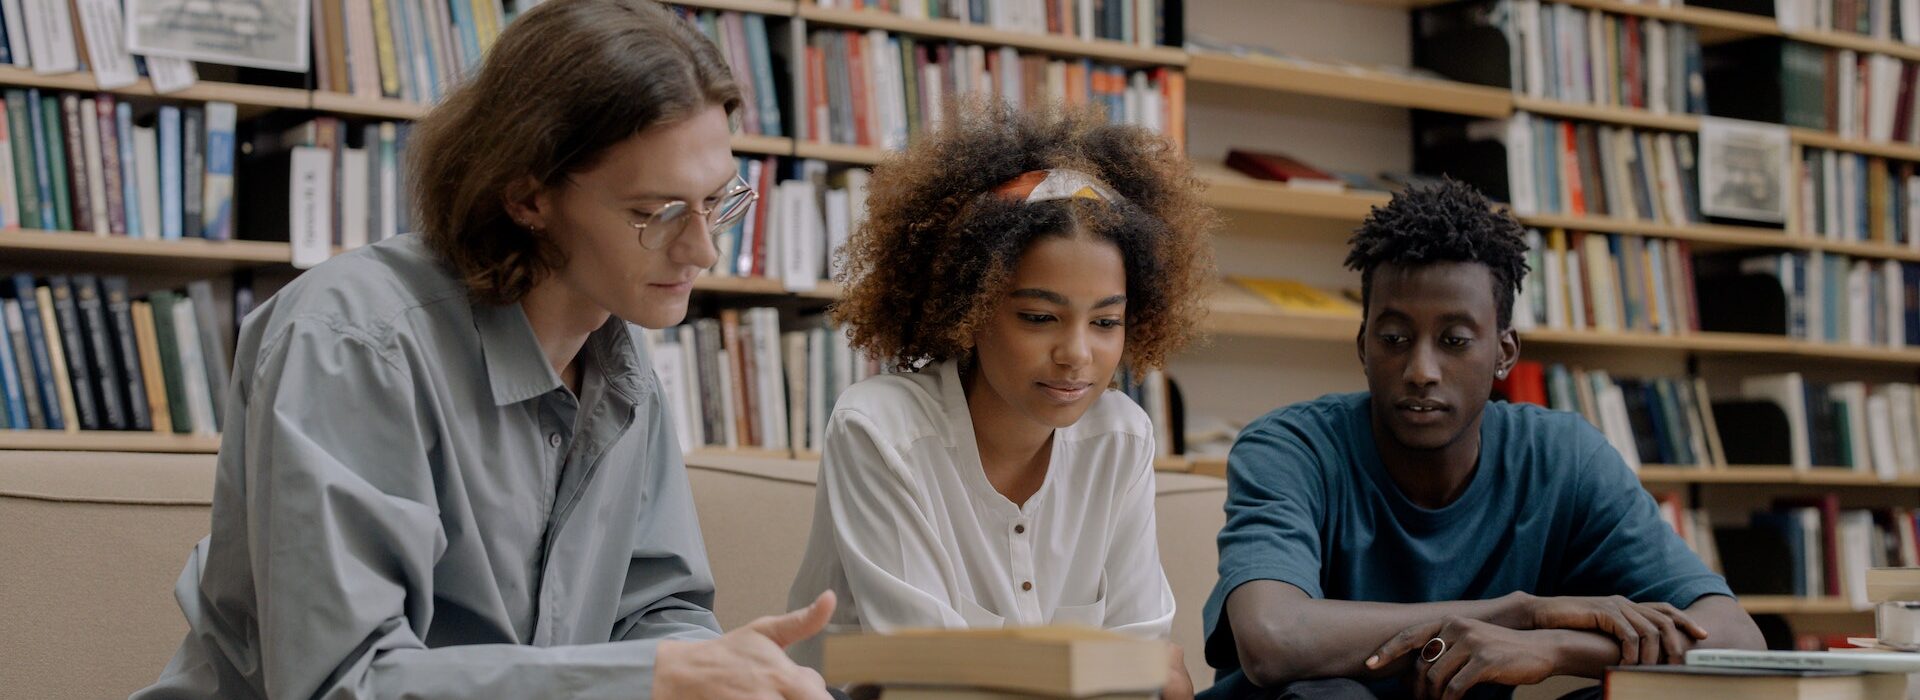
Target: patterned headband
column 1057, row 183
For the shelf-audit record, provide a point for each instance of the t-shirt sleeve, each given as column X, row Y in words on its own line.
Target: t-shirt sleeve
column 1275, row 509
column 1620, row 546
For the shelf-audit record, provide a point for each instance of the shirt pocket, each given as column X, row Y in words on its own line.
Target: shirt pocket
column 977, row 617
column 1093, row 614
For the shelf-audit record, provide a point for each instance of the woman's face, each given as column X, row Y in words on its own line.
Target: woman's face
column 1053, row 342
column 591, row 217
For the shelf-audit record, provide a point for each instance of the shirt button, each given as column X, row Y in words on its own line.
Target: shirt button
column 1026, row 585
column 553, row 439
column 1019, row 529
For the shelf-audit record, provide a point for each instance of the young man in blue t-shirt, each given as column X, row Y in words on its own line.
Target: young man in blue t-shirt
column 1417, row 540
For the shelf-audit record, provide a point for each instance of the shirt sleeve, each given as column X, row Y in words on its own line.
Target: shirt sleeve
column 1274, row 513
column 1139, row 600
column 669, row 588
column 341, row 537
column 1620, row 546
column 889, row 550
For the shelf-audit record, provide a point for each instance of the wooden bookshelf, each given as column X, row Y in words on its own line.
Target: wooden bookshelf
column 763, row 145
column 1624, row 116
column 857, row 155
column 1351, row 84
column 1098, row 49
column 783, row 8
column 1810, row 138
column 1726, row 25
column 1770, row 476
column 187, row 256
column 1712, row 235
column 1790, row 605
column 378, row 107
column 107, row 441
column 762, row 286
column 1231, row 191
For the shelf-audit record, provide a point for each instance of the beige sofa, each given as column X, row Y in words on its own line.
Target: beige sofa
column 91, row 544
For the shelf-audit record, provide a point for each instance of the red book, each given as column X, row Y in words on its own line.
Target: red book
column 1903, row 107
column 1275, row 166
column 1525, row 383
column 857, row 79
column 1636, row 86
column 1570, row 163
column 1173, row 91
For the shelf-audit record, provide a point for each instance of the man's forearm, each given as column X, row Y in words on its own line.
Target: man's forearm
column 1582, row 653
column 1299, row 637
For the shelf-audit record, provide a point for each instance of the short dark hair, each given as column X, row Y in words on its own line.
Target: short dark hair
column 1445, row 222
column 566, row 80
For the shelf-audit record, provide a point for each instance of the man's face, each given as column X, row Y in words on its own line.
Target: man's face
column 1431, row 347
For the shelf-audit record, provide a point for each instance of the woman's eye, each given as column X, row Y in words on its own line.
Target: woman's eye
column 1109, row 323
column 1036, row 318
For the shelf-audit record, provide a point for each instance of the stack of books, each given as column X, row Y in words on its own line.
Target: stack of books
column 1041, row 662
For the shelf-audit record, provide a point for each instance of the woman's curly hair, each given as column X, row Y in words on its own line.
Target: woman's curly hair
column 933, row 257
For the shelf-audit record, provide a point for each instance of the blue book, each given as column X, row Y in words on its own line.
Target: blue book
column 769, row 104
column 1787, row 527
column 413, row 85
column 42, row 169
column 218, row 190
column 466, row 34
column 129, row 168
column 1910, row 301
column 14, row 405
column 171, row 226
column 37, row 342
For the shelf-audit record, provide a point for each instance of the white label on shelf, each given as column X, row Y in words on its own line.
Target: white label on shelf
column 50, row 37
column 310, row 206
column 112, row 65
column 170, row 74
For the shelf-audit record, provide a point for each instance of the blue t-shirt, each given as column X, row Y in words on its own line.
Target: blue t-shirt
column 1551, row 510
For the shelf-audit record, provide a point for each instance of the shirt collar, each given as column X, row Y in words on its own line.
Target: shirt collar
column 516, row 367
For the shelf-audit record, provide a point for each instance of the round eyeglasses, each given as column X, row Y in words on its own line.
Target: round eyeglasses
column 665, row 224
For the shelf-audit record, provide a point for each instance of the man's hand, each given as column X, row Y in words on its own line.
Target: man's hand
column 749, row 663
column 1179, row 684
column 1647, row 632
column 1475, row 652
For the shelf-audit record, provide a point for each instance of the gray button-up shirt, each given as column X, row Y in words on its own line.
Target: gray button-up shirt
column 410, row 503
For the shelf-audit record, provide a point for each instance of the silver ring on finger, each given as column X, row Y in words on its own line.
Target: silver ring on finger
column 1433, row 650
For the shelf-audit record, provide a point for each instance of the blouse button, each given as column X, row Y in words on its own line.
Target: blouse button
column 1026, row 585
column 553, row 439
column 1019, row 529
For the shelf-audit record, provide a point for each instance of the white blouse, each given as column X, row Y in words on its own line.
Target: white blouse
column 908, row 532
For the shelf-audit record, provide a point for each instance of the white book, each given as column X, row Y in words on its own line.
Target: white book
column 1613, row 406
column 1816, row 567
column 667, row 359
column 1856, row 556
column 170, row 74
column 1577, row 286
column 1896, row 293
column 1859, row 330
column 694, row 407
column 1884, row 73
column 106, row 44
column 193, row 368
column 1601, row 273
column 50, row 36
column 1886, row 463
column 1657, row 67
column 1849, row 65
column 1853, row 395
column 1670, row 184
column 310, row 209
column 1592, row 55
column 146, row 154
column 1906, row 448
column 94, row 166
column 817, row 400
column 389, row 182
column 1789, row 392
column 1868, row 661
column 363, row 64
column 1882, row 10
column 768, row 371
column 794, row 353
column 730, row 429
column 1556, row 281
column 216, row 197
column 10, row 11
column 354, row 198
column 1520, row 145
column 1910, row 22
column 806, row 248
column 1912, row 192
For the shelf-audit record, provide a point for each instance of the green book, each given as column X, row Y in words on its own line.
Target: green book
column 912, row 84
column 56, row 149
column 20, row 134
column 173, row 373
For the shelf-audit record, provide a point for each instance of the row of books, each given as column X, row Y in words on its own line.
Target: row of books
column 81, row 353
column 65, row 36
column 1557, row 166
column 1649, row 421
column 1557, row 51
column 1852, row 197
column 1607, row 282
column 805, row 213
column 1888, row 20
column 739, row 381
column 1693, row 525
column 1828, row 298
column 1862, row 427
column 321, row 182
column 1810, row 547
column 882, row 90
column 1781, row 81
column 407, row 49
column 1142, row 22
column 743, row 40
column 73, row 162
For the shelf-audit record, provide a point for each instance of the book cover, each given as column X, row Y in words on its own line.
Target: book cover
column 12, row 393
column 147, row 343
column 1277, row 167
column 193, row 170
column 30, row 357
column 172, row 369
column 70, row 166
column 52, row 45
column 97, row 333
column 383, row 36
column 20, row 139
column 146, row 164
column 129, row 171
column 172, row 223
column 119, row 314
column 112, row 204
column 218, row 207
column 215, row 354
column 193, row 367
column 1053, row 661
column 94, row 172
column 62, row 389
column 73, row 340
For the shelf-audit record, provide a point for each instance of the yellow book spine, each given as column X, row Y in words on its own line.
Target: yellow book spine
column 383, row 39
column 148, row 345
column 56, row 353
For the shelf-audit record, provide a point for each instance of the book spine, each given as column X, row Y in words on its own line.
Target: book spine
column 119, row 310
column 384, row 48
column 49, row 163
column 193, row 170
column 111, row 170
column 129, row 171
column 213, row 348
column 79, row 206
column 11, row 379
column 72, row 339
column 101, row 365
column 192, row 367
column 9, row 192
column 171, row 369
column 26, row 184
column 38, row 352
column 221, row 117
column 56, row 354
column 171, row 226
column 149, row 354
column 94, row 169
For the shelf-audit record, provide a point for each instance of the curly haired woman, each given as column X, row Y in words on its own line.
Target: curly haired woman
column 1009, row 266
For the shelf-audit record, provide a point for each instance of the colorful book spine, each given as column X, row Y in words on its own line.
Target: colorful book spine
column 100, row 348
column 171, row 225
column 42, row 168
column 26, row 185
column 73, row 165
column 193, row 169
column 119, row 311
column 23, row 362
column 129, row 171
column 66, row 315
column 41, row 358
column 111, row 171
column 10, row 380
column 220, row 159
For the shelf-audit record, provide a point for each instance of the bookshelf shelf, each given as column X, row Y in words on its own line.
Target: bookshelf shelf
column 762, row 286
column 355, row 105
column 1810, row 138
column 1710, row 234
column 1113, row 51
column 765, row 145
column 858, row 155
column 1789, row 605
column 1233, row 191
column 186, row 256
column 1728, row 25
column 1624, row 116
column 242, row 95
column 107, row 441
column 783, row 8
column 1769, row 476
column 1356, row 85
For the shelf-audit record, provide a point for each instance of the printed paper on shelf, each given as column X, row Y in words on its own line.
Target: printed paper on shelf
column 112, row 65
column 310, row 214
column 170, row 74
column 50, row 36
